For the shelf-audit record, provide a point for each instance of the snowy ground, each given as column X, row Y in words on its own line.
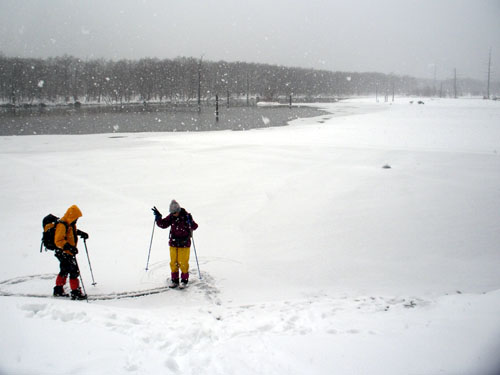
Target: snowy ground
column 314, row 258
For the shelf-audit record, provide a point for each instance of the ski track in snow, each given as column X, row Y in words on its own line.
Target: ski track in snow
column 212, row 321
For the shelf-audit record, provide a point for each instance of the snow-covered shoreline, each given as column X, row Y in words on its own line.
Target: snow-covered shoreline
column 315, row 259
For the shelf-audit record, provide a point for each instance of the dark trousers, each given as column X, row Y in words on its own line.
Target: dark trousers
column 67, row 265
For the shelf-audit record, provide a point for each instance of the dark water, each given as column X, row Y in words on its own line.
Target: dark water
column 89, row 120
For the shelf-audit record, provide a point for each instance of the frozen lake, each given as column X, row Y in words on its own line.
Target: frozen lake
column 140, row 118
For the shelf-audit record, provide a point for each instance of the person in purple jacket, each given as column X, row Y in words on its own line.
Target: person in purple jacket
column 181, row 225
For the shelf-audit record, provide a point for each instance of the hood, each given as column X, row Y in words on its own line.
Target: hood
column 72, row 214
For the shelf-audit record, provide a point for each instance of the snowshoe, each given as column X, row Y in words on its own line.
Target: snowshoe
column 59, row 291
column 183, row 284
column 76, row 294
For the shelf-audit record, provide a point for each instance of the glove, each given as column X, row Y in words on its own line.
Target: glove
column 156, row 213
column 71, row 249
column 82, row 234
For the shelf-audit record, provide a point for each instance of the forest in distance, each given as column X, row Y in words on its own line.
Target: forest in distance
column 71, row 80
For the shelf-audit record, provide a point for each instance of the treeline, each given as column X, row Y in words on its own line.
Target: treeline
column 72, row 80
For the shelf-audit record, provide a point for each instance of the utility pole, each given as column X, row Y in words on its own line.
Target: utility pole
column 248, row 90
column 489, row 75
column 199, row 84
column 455, row 83
column 435, row 78
column 217, row 107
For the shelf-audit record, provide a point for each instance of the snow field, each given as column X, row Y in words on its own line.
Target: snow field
column 314, row 258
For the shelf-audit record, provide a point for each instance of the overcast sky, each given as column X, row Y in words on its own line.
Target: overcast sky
column 416, row 37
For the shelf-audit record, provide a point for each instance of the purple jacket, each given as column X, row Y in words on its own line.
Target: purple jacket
column 180, row 228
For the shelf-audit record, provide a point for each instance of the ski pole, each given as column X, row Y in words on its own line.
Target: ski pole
column 151, row 243
column 194, row 246
column 196, row 256
column 81, row 279
column 90, row 266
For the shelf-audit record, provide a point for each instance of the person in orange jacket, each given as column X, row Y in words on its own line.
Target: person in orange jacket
column 66, row 241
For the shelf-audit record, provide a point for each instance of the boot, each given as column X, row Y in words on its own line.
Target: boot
column 59, row 291
column 174, row 283
column 184, row 279
column 77, row 294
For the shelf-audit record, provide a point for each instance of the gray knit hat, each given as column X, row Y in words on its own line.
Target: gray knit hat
column 174, row 207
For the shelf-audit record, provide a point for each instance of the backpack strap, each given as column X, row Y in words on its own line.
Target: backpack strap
column 63, row 222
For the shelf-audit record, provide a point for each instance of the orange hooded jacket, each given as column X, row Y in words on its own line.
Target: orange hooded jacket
column 67, row 233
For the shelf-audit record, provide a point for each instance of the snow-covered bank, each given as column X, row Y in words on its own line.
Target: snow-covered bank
column 315, row 258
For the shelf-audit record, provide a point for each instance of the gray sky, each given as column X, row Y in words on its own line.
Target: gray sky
column 416, row 37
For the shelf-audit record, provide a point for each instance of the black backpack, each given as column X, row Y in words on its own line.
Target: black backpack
column 49, row 224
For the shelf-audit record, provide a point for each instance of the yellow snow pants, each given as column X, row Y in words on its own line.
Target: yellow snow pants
column 179, row 258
